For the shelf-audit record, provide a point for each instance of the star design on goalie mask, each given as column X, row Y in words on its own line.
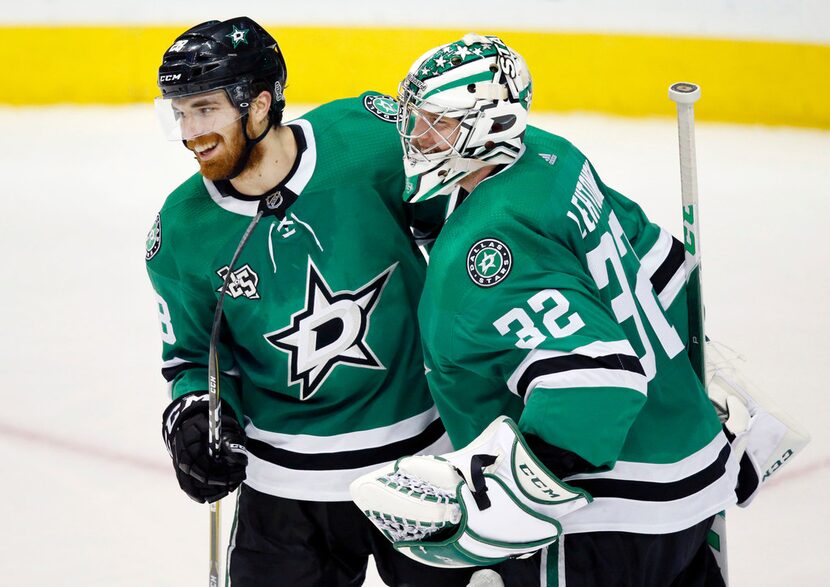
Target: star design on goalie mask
column 477, row 50
column 238, row 36
column 329, row 331
column 440, row 62
column 462, row 52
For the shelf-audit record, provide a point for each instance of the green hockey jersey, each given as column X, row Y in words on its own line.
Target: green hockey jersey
column 552, row 299
column 320, row 349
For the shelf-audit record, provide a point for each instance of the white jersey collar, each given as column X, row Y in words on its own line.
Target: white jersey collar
column 296, row 182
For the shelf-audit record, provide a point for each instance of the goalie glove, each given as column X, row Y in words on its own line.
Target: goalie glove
column 481, row 505
column 765, row 437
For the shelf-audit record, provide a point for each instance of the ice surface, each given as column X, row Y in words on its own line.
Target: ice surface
column 86, row 484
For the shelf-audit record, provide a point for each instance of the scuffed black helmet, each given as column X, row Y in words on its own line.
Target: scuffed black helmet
column 236, row 55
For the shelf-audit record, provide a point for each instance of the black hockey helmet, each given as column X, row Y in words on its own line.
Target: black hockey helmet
column 236, row 55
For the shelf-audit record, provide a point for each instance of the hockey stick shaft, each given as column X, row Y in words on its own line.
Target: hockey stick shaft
column 215, row 534
column 685, row 95
column 215, row 406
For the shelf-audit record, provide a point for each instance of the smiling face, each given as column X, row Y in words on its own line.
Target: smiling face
column 209, row 127
column 218, row 153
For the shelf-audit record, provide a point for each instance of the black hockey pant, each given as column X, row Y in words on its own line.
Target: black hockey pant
column 620, row 559
column 280, row 542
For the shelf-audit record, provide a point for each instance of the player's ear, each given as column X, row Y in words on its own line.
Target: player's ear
column 259, row 106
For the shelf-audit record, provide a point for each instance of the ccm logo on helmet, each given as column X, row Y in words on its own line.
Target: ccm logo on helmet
column 170, row 77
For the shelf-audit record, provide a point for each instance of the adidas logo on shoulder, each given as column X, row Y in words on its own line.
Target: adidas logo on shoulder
column 551, row 159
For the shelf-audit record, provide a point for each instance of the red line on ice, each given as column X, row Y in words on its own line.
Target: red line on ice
column 79, row 448
column 92, row 451
column 798, row 472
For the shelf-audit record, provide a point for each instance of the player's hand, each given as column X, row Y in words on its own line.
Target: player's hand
column 185, row 430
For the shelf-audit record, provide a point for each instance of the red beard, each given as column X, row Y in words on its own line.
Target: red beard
column 230, row 148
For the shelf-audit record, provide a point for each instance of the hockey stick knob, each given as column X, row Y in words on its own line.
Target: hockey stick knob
column 684, row 92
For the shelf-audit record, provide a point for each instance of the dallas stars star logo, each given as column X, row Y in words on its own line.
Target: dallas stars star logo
column 330, row 330
column 489, row 261
column 154, row 239
column 384, row 107
column 238, row 36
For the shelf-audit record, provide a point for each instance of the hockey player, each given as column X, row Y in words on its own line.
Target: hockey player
column 322, row 371
column 554, row 324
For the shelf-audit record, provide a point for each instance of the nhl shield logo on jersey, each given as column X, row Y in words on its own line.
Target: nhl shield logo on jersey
column 243, row 282
column 329, row 331
column 489, row 261
column 153, row 242
column 384, row 107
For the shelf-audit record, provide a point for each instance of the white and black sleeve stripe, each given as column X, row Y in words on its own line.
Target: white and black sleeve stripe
column 664, row 265
column 599, row 364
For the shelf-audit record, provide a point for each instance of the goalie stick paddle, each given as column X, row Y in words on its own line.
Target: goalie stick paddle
column 685, row 94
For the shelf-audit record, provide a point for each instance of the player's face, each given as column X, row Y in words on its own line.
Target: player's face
column 433, row 133
column 212, row 123
column 204, row 113
column 201, row 114
column 219, row 152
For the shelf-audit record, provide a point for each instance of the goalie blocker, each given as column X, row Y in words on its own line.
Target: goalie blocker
column 452, row 510
column 763, row 437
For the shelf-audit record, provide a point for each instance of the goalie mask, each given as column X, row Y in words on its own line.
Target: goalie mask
column 463, row 106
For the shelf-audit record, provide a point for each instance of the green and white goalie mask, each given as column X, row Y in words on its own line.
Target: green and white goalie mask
column 189, row 116
column 463, row 106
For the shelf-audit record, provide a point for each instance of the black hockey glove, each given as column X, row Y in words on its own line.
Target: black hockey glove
column 185, row 431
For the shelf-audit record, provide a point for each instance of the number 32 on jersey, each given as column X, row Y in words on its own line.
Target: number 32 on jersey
column 637, row 305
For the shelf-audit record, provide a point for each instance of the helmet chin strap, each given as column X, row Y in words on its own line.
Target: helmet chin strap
column 249, row 146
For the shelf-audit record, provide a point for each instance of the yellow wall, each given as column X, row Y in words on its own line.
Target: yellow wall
column 742, row 81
